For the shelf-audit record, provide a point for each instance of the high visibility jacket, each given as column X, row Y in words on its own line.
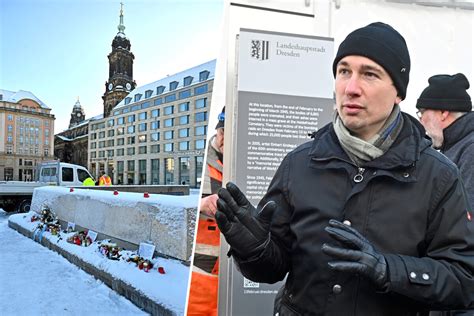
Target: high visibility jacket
column 105, row 180
column 89, row 182
column 212, row 180
column 204, row 279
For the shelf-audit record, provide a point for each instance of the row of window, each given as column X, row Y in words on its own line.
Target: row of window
column 27, row 121
column 26, row 108
column 31, row 140
column 153, row 137
column 28, row 131
column 168, row 110
column 154, row 174
column 184, row 163
column 153, row 149
column 142, row 127
column 26, row 140
column 183, row 132
column 168, row 98
column 26, row 151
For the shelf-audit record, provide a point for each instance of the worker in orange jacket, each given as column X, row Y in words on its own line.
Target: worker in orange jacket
column 104, row 179
column 204, row 279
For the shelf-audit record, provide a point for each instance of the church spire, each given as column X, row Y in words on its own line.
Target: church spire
column 120, row 81
column 121, row 27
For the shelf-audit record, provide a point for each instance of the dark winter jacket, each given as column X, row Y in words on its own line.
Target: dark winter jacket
column 458, row 145
column 410, row 205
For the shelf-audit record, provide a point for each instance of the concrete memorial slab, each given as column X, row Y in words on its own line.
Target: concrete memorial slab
column 165, row 221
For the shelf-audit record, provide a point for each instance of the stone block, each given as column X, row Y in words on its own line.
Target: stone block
column 166, row 221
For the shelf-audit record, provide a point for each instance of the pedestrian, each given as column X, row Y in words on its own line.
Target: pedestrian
column 104, row 179
column 444, row 109
column 204, row 279
column 367, row 218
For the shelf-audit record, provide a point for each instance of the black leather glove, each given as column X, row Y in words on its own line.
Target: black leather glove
column 246, row 230
column 356, row 255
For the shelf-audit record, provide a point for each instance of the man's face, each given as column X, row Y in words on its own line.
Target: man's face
column 365, row 95
column 432, row 121
column 219, row 143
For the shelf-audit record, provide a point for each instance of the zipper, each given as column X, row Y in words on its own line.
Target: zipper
column 359, row 176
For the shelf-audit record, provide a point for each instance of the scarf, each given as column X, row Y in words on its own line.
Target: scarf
column 361, row 151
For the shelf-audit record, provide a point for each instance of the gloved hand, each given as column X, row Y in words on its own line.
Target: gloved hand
column 356, row 255
column 246, row 230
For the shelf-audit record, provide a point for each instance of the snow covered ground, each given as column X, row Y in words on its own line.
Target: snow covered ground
column 19, row 254
column 37, row 281
column 194, row 191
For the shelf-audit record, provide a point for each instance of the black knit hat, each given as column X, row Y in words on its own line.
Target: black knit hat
column 446, row 92
column 221, row 118
column 383, row 44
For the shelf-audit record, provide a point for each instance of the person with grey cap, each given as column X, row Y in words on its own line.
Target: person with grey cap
column 444, row 109
column 367, row 218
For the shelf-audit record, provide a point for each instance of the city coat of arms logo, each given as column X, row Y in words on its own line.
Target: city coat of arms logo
column 259, row 49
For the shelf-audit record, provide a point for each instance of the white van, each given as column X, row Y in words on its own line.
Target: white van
column 16, row 195
column 62, row 174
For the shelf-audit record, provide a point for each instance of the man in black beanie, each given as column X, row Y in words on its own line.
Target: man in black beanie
column 367, row 218
column 444, row 109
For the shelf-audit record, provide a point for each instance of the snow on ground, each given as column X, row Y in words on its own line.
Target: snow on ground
column 37, row 281
column 194, row 191
column 168, row 289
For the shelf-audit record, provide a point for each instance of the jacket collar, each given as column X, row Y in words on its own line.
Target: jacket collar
column 458, row 130
column 404, row 152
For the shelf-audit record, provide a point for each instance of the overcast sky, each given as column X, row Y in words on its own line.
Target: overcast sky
column 57, row 49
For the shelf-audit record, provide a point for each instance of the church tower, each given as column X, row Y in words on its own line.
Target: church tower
column 77, row 114
column 120, row 81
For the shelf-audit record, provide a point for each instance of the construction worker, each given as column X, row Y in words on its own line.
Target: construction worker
column 104, row 179
column 204, row 280
column 88, row 182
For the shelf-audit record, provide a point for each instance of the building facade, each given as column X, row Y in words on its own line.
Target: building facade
column 26, row 135
column 157, row 134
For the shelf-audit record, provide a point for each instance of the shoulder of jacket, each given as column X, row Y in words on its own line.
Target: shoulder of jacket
column 439, row 160
column 315, row 137
column 464, row 152
column 467, row 143
column 300, row 149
